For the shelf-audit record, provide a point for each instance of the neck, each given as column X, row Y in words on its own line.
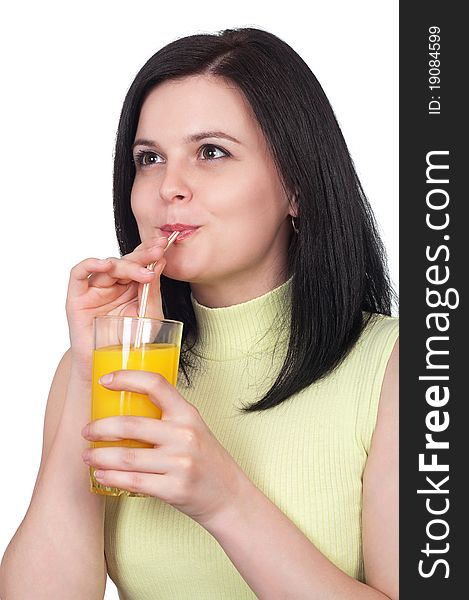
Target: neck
column 235, row 290
column 251, row 328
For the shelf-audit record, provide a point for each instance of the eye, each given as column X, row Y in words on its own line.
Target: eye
column 211, row 152
column 145, row 158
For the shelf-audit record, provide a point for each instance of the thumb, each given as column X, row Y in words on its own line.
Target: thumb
column 155, row 301
column 155, row 386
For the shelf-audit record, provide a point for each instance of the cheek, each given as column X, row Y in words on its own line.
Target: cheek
column 142, row 204
column 247, row 196
column 136, row 199
column 255, row 203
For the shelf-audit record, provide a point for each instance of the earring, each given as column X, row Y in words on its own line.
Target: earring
column 295, row 228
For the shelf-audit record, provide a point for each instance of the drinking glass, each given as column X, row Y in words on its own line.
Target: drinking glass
column 130, row 343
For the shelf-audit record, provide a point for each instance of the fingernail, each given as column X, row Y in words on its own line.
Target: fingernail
column 85, row 431
column 106, row 378
column 99, row 474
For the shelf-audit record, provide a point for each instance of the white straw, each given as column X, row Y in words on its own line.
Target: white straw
column 144, row 300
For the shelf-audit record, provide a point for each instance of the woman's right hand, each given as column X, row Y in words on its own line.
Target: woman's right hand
column 111, row 287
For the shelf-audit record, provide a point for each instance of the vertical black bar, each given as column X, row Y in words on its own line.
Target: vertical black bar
column 433, row 303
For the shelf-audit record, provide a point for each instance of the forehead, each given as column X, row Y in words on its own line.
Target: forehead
column 195, row 103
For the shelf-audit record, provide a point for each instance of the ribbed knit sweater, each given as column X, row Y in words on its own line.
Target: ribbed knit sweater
column 306, row 454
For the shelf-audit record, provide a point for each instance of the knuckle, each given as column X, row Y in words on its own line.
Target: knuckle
column 76, row 268
column 193, row 412
column 130, row 426
column 157, row 242
column 188, row 436
column 157, row 250
column 98, row 459
column 129, row 457
column 186, row 463
column 135, row 482
column 158, row 382
column 131, row 255
column 152, row 242
column 159, row 379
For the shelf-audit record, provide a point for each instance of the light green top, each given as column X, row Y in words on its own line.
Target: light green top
column 307, row 454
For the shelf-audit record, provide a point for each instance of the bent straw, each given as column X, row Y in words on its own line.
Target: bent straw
column 144, row 300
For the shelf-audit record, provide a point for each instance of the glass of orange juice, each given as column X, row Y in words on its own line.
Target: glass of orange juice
column 119, row 345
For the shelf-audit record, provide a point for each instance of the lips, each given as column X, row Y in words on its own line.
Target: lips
column 184, row 229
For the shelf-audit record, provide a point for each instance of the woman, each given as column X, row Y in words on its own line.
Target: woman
column 274, row 471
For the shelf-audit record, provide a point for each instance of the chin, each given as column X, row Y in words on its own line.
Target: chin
column 180, row 272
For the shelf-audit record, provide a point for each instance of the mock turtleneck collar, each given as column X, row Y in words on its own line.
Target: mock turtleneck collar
column 248, row 328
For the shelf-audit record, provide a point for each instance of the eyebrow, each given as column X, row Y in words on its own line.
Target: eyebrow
column 195, row 137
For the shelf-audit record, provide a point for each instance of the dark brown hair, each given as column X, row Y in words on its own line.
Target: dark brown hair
column 337, row 259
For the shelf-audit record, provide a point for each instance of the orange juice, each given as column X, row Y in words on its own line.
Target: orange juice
column 158, row 358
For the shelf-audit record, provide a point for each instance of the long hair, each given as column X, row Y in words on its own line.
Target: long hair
column 337, row 259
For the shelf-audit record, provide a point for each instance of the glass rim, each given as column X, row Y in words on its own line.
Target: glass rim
column 136, row 318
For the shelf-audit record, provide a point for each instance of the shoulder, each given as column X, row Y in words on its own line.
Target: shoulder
column 389, row 394
column 375, row 371
column 380, row 488
column 388, row 409
column 380, row 331
column 375, row 345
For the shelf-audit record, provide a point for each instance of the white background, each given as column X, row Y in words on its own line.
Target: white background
column 66, row 69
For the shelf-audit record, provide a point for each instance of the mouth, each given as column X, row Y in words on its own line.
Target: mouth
column 185, row 230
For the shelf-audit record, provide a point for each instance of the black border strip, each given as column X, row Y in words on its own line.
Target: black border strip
column 434, row 398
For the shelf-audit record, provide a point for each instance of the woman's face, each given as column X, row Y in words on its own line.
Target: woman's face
column 202, row 160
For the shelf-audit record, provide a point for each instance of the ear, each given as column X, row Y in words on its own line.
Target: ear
column 293, row 201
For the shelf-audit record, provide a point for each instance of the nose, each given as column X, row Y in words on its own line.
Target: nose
column 175, row 184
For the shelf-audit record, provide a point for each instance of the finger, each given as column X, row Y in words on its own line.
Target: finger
column 158, row 485
column 150, row 254
column 80, row 273
column 150, row 251
column 142, row 429
column 122, row 272
column 158, row 389
column 144, row 460
column 145, row 251
column 154, row 307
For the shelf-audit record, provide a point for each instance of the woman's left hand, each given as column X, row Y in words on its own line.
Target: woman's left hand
column 188, row 468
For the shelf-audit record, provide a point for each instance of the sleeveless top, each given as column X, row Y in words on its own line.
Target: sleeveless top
column 307, row 454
